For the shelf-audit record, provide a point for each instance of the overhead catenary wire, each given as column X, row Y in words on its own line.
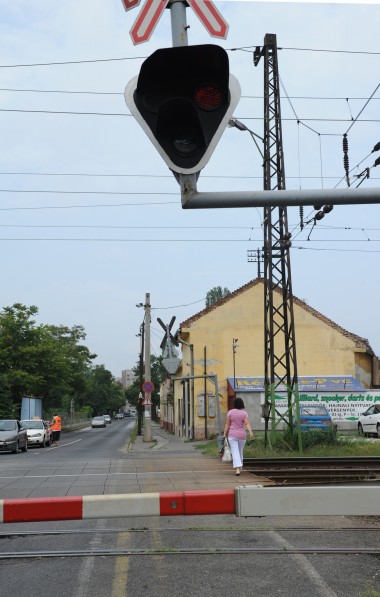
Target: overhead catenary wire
column 122, row 58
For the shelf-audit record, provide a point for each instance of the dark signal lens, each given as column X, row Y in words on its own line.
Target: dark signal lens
column 208, row 97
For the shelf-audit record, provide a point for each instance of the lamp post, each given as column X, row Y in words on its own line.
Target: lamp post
column 234, row 348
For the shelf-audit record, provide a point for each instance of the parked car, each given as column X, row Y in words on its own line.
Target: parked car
column 315, row 418
column 118, row 416
column 369, row 421
column 107, row 418
column 12, row 436
column 38, row 432
column 98, row 422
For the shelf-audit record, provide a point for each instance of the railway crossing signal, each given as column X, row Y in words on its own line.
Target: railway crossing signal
column 183, row 99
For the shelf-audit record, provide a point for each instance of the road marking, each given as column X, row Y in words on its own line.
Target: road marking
column 64, row 445
column 321, row 586
column 87, row 566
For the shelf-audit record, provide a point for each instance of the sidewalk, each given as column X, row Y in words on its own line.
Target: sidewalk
column 164, row 441
column 170, row 463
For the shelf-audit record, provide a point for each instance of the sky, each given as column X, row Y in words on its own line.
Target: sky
column 91, row 217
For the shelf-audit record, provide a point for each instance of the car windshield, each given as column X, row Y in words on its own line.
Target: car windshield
column 8, row 425
column 314, row 410
column 32, row 424
column 98, row 418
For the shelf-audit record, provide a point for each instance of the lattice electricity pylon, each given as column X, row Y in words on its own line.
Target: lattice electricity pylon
column 280, row 343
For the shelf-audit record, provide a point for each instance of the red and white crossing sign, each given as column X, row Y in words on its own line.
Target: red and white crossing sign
column 210, row 17
column 152, row 10
column 128, row 4
column 147, row 20
column 147, row 401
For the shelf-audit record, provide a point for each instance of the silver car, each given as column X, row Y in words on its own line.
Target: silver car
column 98, row 422
column 369, row 421
column 12, row 436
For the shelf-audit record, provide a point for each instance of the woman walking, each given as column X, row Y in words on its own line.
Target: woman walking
column 235, row 429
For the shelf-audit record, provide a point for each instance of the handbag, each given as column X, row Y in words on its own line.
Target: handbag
column 227, row 455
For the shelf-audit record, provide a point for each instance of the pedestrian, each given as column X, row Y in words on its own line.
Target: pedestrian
column 56, row 426
column 235, row 429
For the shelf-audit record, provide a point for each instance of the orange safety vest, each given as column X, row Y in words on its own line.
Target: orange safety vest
column 56, row 426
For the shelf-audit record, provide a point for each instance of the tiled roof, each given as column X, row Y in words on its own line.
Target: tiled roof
column 359, row 342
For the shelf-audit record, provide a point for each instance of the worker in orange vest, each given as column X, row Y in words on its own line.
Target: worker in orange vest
column 56, row 426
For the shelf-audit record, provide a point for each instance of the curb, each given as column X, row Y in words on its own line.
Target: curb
column 181, row 503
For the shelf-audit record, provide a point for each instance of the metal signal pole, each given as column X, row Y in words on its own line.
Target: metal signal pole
column 280, row 342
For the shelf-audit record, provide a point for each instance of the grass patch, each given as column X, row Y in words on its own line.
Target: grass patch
column 132, row 438
column 340, row 445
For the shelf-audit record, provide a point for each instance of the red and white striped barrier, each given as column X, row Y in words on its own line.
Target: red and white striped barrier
column 179, row 503
column 245, row 501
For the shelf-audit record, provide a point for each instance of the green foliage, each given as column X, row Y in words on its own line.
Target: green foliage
column 157, row 373
column 102, row 392
column 316, row 438
column 215, row 294
column 6, row 406
column 346, row 445
column 86, row 412
column 50, row 362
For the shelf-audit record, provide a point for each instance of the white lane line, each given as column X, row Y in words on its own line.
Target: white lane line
column 64, row 445
column 322, row 588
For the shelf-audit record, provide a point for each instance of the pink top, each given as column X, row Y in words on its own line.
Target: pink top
column 237, row 428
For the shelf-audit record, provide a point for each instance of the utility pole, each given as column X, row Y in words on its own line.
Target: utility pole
column 141, row 379
column 279, row 341
column 147, row 412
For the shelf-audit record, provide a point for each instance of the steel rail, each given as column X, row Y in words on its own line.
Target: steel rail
column 316, row 470
column 319, row 461
column 188, row 551
column 15, row 534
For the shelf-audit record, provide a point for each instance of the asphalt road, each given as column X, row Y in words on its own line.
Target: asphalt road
column 203, row 556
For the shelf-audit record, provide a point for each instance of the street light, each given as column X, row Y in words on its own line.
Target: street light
column 234, row 347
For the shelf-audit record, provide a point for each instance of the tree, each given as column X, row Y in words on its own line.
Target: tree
column 6, row 406
column 215, row 294
column 103, row 393
column 47, row 361
column 158, row 374
column 18, row 340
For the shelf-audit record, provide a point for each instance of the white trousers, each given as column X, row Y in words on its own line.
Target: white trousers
column 237, row 449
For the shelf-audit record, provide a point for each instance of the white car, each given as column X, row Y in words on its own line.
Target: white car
column 369, row 421
column 37, row 431
column 107, row 418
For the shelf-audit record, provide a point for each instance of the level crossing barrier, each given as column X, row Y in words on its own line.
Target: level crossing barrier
column 243, row 501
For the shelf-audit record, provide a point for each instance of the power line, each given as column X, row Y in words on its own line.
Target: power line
column 365, row 52
column 259, row 118
column 89, row 206
column 121, row 59
column 66, row 62
column 142, row 175
column 120, row 93
column 59, row 192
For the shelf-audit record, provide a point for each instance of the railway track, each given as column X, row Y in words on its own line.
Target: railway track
column 304, row 470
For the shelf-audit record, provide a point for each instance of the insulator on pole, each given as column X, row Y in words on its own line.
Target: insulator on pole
column 301, row 217
column 346, row 163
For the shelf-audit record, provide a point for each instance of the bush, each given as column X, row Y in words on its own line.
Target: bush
column 316, row 438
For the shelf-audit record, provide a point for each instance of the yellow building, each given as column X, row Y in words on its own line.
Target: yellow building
column 323, row 349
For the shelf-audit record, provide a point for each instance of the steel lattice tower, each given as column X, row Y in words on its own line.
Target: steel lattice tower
column 280, row 343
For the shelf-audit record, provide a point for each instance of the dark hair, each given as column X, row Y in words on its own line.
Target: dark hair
column 238, row 403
